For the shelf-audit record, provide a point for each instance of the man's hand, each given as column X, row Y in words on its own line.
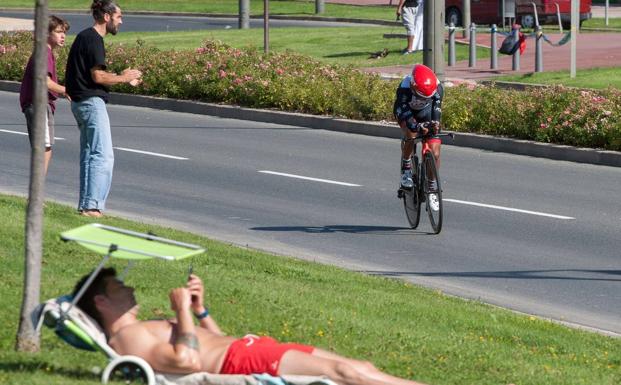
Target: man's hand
column 132, row 76
column 180, row 299
column 197, row 290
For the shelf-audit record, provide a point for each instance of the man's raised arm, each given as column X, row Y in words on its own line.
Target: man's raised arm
column 196, row 288
column 180, row 356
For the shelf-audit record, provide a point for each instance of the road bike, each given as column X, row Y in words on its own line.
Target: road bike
column 426, row 182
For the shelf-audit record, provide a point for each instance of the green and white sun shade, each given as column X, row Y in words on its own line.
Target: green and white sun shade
column 126, row 244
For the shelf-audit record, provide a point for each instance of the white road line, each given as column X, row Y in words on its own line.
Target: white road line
column 25, row 134
column 150, row 153
column 309, row 178
column 508, row 209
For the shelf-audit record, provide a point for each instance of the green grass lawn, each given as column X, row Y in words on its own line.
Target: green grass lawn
column 406, row 330
column 339, row 45
column 598, row 78
column 277, row 7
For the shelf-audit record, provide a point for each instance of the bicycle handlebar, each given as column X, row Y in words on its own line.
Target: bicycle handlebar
column 429, row 136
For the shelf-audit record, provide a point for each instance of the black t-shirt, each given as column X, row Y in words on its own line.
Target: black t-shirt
column 87, row 51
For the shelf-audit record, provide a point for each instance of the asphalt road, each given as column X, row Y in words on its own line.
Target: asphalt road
column 226, row 179
column 156, row 23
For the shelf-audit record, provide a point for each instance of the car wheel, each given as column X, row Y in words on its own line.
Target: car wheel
column 453, row 16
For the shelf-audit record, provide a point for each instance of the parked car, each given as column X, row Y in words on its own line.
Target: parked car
column 489, row 11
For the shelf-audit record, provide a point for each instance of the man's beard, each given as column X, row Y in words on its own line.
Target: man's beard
column 111, row 28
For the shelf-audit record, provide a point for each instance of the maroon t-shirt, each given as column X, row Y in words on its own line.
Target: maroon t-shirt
column 27, row 88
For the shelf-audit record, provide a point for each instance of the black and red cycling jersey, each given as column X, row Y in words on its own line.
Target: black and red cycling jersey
column 409, row 105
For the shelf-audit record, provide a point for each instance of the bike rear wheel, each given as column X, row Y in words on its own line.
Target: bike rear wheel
column 430, row 173
column 411, row 200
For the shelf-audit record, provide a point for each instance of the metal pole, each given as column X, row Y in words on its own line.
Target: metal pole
column 503, row 13
column 451, row 46
column 438, row 37
column 319, row 6
column 472, row 59
column 244, row 14
column 516, row 56
column 428, row 35
column 606, row 11
column 494, row 57
column 266, row 26
column 574, row 29
column 558, row 15
column 538, row 49
column 466, row 18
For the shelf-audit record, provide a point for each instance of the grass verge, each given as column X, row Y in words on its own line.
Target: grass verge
column 406, row 330
column 597, row 78
column 278, row 7
column 338, row 45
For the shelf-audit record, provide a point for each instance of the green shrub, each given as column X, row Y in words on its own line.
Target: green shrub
column 217, row 73
column 551, row 114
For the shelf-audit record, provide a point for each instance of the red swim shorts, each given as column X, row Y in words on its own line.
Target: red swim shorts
column 257, row 355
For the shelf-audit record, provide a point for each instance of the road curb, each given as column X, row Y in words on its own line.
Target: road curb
column 483, row 142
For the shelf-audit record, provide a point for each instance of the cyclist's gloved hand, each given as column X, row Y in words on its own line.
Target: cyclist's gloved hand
column 434, row 125
column 428, row 128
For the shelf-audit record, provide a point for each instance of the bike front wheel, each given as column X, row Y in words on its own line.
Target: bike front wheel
column 411, row 204
column 433, row 193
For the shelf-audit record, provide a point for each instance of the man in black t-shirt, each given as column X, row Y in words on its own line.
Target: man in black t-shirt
column 87, row 83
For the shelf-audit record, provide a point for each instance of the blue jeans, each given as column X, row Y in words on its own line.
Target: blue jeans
column 96, row 155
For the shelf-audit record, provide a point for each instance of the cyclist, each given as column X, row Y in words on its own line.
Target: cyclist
column 418, row 109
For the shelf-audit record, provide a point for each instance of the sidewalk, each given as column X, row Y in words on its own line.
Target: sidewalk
column 12, row 24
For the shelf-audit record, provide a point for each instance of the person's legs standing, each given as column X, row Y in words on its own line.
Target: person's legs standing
column 409, row 21
column 49, row 132
column 96, row 154
column 49, row 137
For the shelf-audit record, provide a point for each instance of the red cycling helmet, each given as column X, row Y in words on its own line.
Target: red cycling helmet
column 424, row 81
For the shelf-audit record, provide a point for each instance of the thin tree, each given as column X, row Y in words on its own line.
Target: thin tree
column 27, row 337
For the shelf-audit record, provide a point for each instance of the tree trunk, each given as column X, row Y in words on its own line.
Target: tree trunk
column 27, row 337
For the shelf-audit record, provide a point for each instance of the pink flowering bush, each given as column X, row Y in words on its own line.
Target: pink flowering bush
column 561, row 115
column 217, row 73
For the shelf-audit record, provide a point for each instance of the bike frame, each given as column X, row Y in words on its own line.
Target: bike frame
column 412, row 198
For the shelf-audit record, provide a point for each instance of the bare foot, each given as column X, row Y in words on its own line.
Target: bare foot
column 93, row 213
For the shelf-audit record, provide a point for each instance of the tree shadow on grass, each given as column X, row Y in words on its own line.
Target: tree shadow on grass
column 35, row 366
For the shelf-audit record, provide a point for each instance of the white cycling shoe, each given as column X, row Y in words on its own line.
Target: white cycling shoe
column 406, row 179
column 434, row 203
